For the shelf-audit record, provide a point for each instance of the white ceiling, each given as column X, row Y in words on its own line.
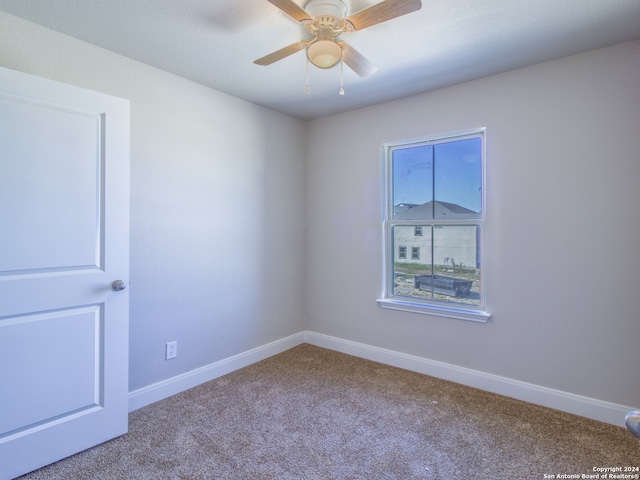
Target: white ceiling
column 214, row 42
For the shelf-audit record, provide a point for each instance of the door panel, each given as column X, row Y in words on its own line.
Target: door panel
column 67, row 367
column 64, row 219
column 49, row 143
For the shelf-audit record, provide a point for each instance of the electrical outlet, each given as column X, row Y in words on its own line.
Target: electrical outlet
column 172, row 350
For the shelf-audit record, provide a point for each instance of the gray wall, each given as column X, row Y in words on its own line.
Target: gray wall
column 216, row 185
column 562, row 264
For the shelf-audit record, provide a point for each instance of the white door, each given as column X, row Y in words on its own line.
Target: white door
column 64, row 226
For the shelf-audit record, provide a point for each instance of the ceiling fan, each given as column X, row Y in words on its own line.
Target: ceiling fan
column 326, row 20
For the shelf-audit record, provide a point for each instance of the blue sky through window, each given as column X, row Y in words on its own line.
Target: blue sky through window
column 454, row 169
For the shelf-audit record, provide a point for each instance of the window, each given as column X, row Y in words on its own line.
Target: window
column 434, row 208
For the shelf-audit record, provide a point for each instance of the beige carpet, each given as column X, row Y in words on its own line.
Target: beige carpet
column 311, row 413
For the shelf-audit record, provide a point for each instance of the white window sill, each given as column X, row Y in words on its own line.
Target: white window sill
column 437, row 310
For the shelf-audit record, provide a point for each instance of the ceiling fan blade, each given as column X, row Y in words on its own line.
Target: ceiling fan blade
column 356, row 61
column 280, row 54
column 381, row 12
column 292, row 9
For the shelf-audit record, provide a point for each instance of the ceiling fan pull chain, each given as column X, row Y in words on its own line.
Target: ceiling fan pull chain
column 341, row 79
column 306, row 90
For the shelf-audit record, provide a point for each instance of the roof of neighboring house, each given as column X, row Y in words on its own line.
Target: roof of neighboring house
column 401, row 207
column 443, row 210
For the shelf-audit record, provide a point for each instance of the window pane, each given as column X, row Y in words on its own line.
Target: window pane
column 405, row 268
column 454, row 274
column 456, row 253
column 413, row 183
column 458, row 179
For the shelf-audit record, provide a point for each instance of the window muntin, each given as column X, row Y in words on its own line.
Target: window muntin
column 435, row 211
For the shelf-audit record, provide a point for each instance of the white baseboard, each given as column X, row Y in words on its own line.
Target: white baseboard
column 171, row 386
column 567, row 402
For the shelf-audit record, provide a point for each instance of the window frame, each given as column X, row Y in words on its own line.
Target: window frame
column 389, row 300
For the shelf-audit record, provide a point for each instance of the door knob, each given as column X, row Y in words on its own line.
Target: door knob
column 118, row 285
column 632, row 420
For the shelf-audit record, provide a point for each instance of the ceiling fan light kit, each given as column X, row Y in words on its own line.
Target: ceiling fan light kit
column 324, row 53
column 325, row 20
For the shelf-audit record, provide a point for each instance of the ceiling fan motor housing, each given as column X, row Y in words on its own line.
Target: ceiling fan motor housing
column 328, row 19
column 332, row 8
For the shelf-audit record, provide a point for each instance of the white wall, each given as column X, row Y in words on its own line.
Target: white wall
column 216, row 185
column 562, row 263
